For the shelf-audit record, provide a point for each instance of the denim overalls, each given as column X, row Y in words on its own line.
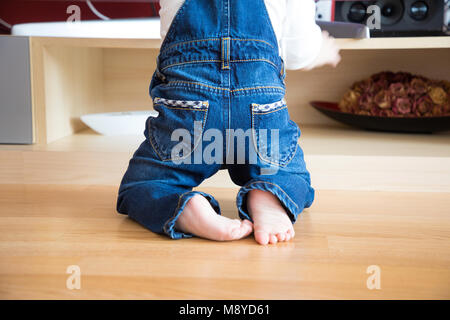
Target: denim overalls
column 219, row 90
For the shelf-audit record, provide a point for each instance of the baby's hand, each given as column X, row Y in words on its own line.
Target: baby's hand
column 329, row 53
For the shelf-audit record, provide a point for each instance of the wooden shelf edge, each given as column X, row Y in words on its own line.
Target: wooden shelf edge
column 99, row 42
column 395, row 43
column 442, row 42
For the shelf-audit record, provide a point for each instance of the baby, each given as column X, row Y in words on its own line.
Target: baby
column 219, row 88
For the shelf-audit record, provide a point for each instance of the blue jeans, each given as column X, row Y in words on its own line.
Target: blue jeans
column 219, row 90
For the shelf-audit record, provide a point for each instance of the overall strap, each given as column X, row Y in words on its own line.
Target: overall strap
column 221, row 19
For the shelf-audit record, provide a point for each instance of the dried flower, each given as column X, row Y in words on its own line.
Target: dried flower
column 423, row 106
column 438, row 95
column 383, row 99
column 387, row 113
column 418, row 86
column 437, row 110
column 397, row 89
column 402, row 106
column 349, row 102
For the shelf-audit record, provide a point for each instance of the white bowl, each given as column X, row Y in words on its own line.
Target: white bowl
column 118, row 123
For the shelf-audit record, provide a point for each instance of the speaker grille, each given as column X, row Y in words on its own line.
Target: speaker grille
column 398, row 17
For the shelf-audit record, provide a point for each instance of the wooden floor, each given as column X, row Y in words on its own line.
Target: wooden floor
column 46, row 228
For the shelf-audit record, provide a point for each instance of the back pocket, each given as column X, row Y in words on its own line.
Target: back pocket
column 178, row 129
column 275, row 135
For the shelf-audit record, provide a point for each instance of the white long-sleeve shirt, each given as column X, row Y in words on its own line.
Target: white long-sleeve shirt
column 299, row 37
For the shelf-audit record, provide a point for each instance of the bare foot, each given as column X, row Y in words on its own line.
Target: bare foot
column 271, row 222
column 200, row 219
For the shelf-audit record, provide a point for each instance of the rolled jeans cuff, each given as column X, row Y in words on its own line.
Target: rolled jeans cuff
column 169, row 226
column 290, row 206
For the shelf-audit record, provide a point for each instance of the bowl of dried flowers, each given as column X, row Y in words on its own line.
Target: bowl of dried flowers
column 398, row 102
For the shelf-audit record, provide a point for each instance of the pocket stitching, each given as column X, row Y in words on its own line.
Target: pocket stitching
column 255, row 137
column 184, row 104
column 205, row 109
column 271, row 110
column 268, row 107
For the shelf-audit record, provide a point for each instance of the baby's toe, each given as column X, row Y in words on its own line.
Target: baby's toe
column 273, row 239
column 281, row 236
column 247, row 223
column 291, row 233
column 247, row 228
column 262, row 237
column 239, row 231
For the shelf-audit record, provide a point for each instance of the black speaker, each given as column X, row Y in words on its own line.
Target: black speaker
column 398, row 17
